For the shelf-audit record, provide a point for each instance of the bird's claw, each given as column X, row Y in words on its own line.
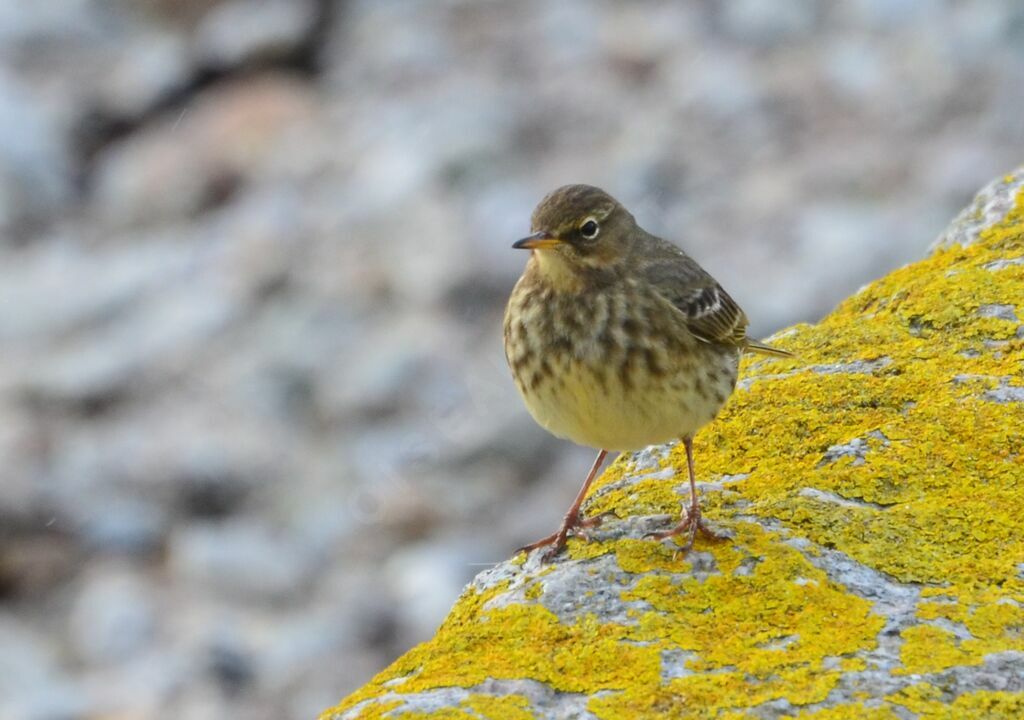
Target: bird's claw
column 692, row 522
column 576, row 528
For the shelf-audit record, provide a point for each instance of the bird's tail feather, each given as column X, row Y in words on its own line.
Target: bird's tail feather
column 761, row 348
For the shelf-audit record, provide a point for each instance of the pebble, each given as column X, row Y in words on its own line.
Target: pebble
column 34, row 162
column 241, row 560
column 247, row 31
column 112, row 616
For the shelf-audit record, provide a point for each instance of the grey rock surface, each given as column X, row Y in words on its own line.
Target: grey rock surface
column 990, row 205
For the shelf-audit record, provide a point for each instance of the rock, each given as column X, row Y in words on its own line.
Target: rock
column 31, row 686
column 112, row 617
column 156, row 331
column 989, row 207
column 30, row 566
column 240, row 559
column 856, row 70
column 756, row 22
column 871, row 491
column 385, row 375
column 110, row 522
column 147, row 67
column 19, row 22
column 890, row 13
column 96, row 68
column 33, row 166
column 40, row 298
column 245, row 31
column 179, row 12
column 231, row 667
column 195, row 158
column 18, row 440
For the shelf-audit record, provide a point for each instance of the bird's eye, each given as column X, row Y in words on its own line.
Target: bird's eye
column 589, row 229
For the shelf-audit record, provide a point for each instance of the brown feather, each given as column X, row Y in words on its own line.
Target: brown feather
column 761, row 349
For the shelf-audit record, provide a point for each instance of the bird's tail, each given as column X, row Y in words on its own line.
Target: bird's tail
column 762, row 349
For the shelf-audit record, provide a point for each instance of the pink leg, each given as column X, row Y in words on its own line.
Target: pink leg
column 692, row 520
column 571, row 523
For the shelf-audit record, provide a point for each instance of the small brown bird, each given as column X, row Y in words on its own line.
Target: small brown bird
column 618, row 340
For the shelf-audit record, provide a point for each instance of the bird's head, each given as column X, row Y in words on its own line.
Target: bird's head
column 579, row 227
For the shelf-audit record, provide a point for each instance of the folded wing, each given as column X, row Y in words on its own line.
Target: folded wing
column 710, row 314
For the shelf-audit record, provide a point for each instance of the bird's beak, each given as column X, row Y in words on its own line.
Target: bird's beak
column 537, row 241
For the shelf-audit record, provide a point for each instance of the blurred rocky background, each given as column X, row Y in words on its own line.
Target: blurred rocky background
column 255, row 425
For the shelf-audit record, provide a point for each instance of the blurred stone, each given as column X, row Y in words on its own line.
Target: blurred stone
column 31, row 686
column 143, row 686
column 248, row 31
column 386, row 376
column 761, row 23
column 196, row 157
column 231, row 667
column 211, row 490
column 183, row 12
column 727, row 87
column 317, row 633
column 119, row 524
column 148, row 68
column 544, row 496
column 856, row 68
column 42, row 296
column 892, row 13
column 834, row 235
column 240, row 559
column 155, row 331
column 34, row 565
column 958, row 171
column 46, row 18
column 34, row 168
column 426, row 576
column 499, row 215
column 112, row 616
column 20, row 444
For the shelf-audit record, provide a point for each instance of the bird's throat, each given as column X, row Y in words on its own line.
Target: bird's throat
column 556, row 271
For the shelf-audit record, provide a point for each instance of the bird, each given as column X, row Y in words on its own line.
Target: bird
column 617, row 339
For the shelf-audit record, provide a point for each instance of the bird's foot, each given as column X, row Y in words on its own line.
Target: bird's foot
column 692, row 521
column 576, row 527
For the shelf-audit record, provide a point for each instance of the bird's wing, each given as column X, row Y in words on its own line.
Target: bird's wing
column 713, row 316
column 708, row 311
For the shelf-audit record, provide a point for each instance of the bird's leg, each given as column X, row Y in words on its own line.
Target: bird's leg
column 692, row 520
column 571, row 523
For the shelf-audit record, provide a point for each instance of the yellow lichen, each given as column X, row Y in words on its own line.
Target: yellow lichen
column 946, row 610
column 981, row 704
column 848, row 712
column 705, row 696
column 506, row 707
column 917, row 698
column 632, row 555
column 783, row 613
column 453, row 713
column 377, row 710
column 519, row 641
column 927, row 702
column 935, row 499
column 533, row 591
column 927, row 648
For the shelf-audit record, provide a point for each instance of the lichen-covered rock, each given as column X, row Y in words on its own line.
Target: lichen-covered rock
column 874, row 488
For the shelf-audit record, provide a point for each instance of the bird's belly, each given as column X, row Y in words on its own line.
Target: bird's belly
column 593, row 407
